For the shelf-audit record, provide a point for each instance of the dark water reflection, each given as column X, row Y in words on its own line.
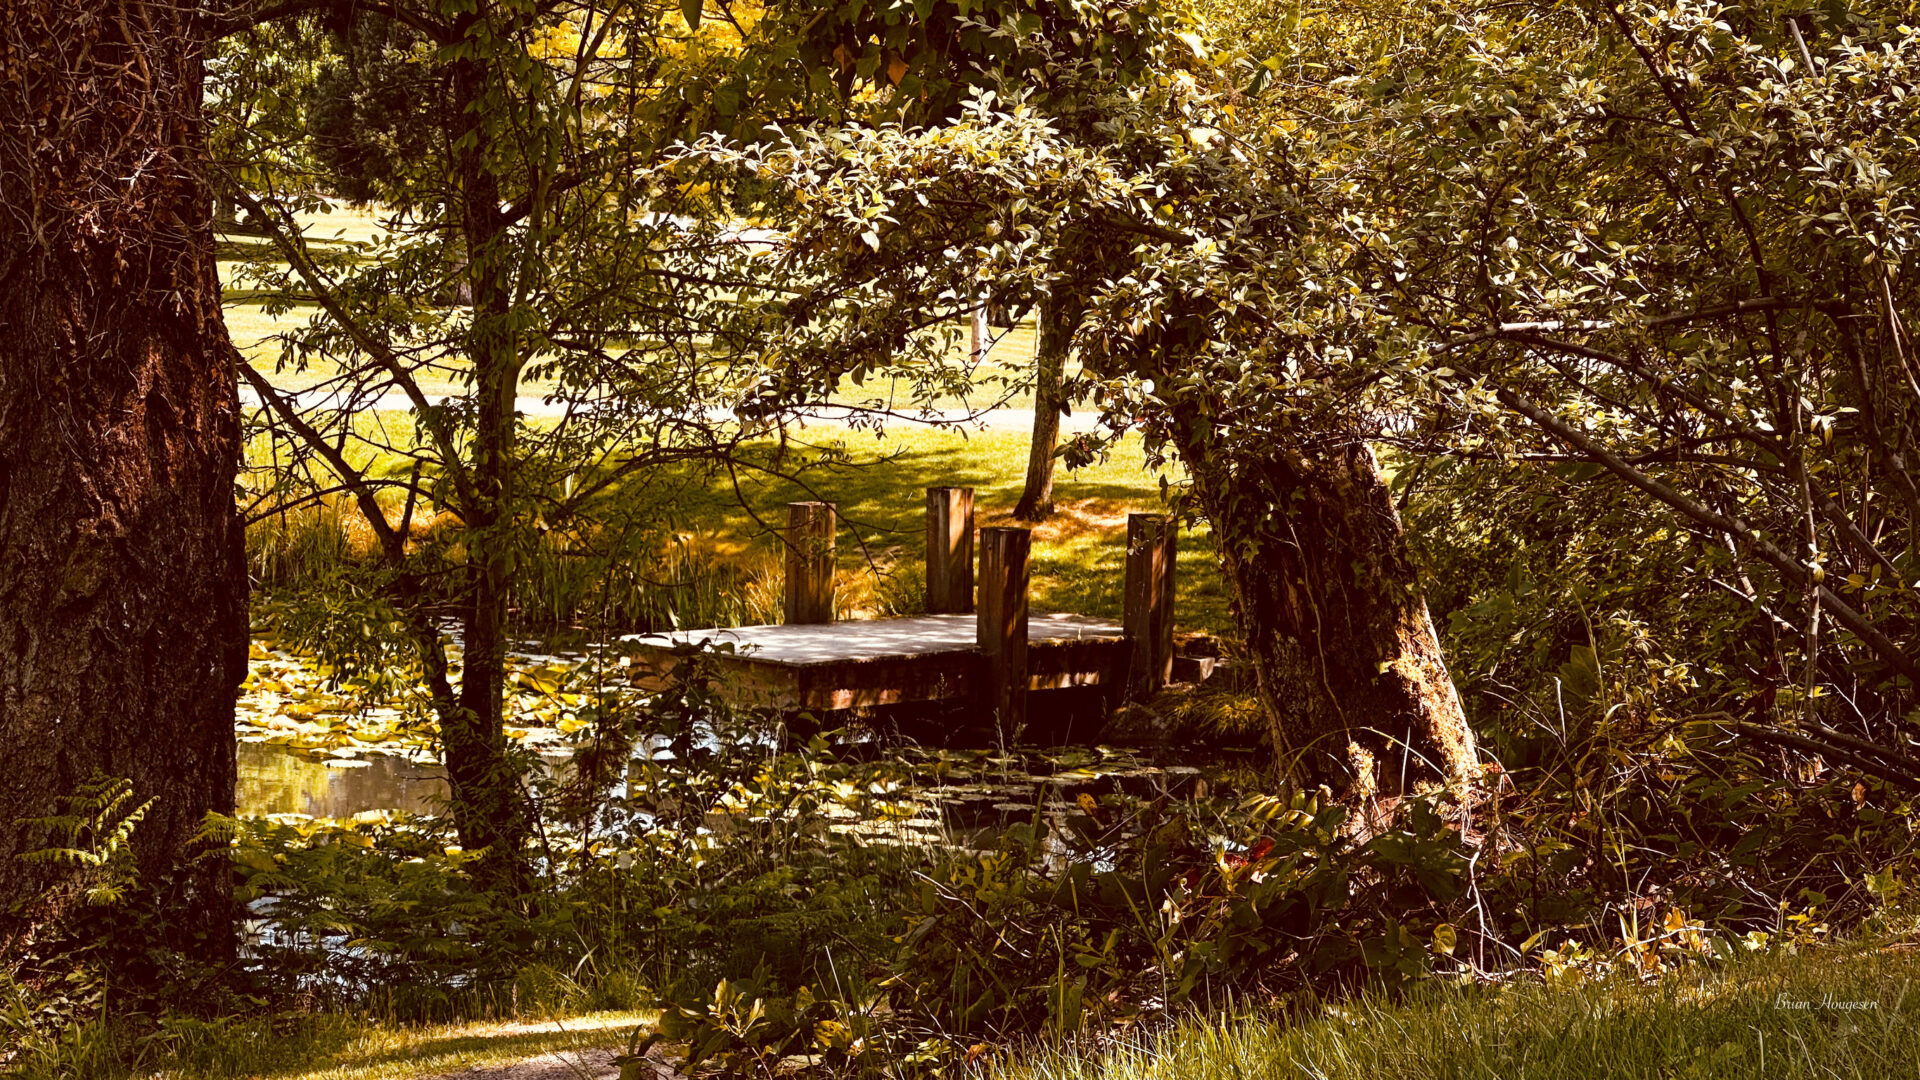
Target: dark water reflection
column 276, row 780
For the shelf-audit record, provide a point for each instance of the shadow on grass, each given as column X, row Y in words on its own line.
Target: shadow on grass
column 879, row 486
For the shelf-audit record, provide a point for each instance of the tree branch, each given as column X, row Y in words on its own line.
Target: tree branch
column 246, row 17
column 283, row 233
column 1785, row 564
column 391, row 542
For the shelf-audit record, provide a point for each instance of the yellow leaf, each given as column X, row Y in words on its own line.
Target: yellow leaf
column 832, row 1035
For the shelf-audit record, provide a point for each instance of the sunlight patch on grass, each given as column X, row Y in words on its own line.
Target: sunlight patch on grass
column 1836, row 1011
column 720, row 520
column 345, row 1048
column 1074, row 519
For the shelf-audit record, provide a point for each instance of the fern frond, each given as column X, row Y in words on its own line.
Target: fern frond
column 65, row 854
column 93, row 832
column 217, row 829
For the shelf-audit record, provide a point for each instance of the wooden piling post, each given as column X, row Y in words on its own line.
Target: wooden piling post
column 1149, row 603
column 1001, row 621
column 810, row 528
column 949, row 550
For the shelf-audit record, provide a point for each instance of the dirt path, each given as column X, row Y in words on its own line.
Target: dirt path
column 559, row 1065
column 566, row 1065
column 594, row 1055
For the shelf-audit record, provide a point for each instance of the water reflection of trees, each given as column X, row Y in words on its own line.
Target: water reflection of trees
column 274, row 780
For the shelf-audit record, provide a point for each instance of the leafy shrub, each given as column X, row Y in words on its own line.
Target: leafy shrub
column 1121, row 911
column 1613, row 678
column 744, row 880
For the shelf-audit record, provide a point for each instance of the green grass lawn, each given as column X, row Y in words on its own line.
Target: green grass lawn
column 879, row 485
column 1833, row 1012
column 1079, row 555
column 1842, row 1011
column 326, row 1046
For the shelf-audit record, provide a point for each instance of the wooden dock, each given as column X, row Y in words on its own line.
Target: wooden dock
column 848, row 665
column 979, row 643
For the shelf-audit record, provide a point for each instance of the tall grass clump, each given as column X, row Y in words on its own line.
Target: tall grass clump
column 607, row 580
column 299, row 545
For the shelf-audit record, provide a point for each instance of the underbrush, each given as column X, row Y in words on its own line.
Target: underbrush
column 772, row 901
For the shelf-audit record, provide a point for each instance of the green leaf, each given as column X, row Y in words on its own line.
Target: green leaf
column 1580, row 675
column 692, row 9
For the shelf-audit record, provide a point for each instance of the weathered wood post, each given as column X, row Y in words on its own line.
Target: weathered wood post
column 949, row 550
column 1149, row 603
column 810, row 527
column 1001, row 621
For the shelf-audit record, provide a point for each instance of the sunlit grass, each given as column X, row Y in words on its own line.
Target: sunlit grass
column 1079, row 556
column 333, row 1046
column 879, row 485
column 1734, row 1021
column 1846, row 1011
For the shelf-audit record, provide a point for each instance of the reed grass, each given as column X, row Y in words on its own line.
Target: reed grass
column 691, row 550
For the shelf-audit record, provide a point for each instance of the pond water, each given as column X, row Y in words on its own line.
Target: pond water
column 277, row 780
column 308, row 747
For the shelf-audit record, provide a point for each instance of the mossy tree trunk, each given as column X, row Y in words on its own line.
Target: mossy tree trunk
column 123, row 618
column 1337, row 629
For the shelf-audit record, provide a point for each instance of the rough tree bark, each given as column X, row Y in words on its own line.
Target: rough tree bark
column 1058, row 320
column 1337, row 628
column 123, row 618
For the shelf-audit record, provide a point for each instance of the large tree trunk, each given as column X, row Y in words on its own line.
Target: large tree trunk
column 1356, row 690
column 1058, row 320
column 123, row 619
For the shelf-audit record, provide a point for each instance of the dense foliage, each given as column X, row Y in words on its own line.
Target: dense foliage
column 1663, row 247
column 824, row 897
column 1582, row 326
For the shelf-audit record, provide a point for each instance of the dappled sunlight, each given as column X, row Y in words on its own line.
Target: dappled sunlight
column 1090, row 517
column 404, row 1052
column 625, row 662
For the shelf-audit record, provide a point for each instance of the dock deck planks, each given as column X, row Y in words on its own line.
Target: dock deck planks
column 867, row 662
